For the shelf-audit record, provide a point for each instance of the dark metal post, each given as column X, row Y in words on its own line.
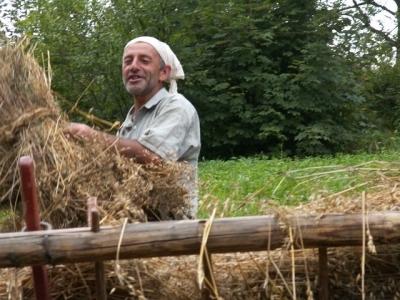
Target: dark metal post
column 32, row 219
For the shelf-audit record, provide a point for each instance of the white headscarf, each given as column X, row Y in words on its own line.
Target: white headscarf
column 167, row 56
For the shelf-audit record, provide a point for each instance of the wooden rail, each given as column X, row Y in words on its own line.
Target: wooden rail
column 171, row 238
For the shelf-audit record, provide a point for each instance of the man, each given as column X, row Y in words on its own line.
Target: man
column 161, row 125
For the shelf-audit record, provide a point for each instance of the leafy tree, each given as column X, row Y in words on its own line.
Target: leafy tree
column 366, row 20
column 83, row 51
column 374, row 47
column 266, row 80
column 262, row 74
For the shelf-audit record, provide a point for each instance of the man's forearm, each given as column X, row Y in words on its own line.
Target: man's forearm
column 131, row 148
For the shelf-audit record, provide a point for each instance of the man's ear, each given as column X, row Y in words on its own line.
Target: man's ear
column 165, row 73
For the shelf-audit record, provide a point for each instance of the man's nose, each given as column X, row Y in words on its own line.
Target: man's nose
column 135, row 64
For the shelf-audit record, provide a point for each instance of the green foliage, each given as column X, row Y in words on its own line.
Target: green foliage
column 369, row 35
column 84, row 53
column 265, row 80
column 383, row 92
column 372, row 51
column 262, row 74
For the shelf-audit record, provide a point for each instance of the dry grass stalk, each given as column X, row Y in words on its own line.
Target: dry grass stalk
column 204, row 260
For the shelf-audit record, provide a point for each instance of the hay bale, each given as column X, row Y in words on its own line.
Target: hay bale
column 70, row 170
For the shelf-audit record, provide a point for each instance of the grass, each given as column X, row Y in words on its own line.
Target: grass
column 238, row 187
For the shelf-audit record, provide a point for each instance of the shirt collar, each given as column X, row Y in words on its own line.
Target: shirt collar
column 162, row 93
column 153, row 101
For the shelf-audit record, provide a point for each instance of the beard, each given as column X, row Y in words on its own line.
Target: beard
column 144, row 87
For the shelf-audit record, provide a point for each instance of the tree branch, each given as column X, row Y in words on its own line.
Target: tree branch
column 365, row 19
column 351, row 7
column 374, row 3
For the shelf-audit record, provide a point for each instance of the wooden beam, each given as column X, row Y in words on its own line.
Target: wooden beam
column 323, row 290
column 171, row 238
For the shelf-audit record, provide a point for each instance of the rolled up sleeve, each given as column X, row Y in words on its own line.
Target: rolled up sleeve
column 171, row 132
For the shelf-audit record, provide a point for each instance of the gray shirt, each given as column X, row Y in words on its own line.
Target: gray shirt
column 168, row 125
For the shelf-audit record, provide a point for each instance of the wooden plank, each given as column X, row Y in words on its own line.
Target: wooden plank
column 172, row 238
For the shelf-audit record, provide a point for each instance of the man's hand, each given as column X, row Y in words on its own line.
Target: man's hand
column 128, row 148
column 81, row 131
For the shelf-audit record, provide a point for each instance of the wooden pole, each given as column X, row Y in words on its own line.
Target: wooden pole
column 171, row 238
column 94, row 223
column 32, row 220
column 323, row 290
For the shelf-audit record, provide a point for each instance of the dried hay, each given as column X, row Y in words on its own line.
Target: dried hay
column 69, row 171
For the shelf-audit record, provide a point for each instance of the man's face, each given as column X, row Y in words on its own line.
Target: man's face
column 141, row 71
